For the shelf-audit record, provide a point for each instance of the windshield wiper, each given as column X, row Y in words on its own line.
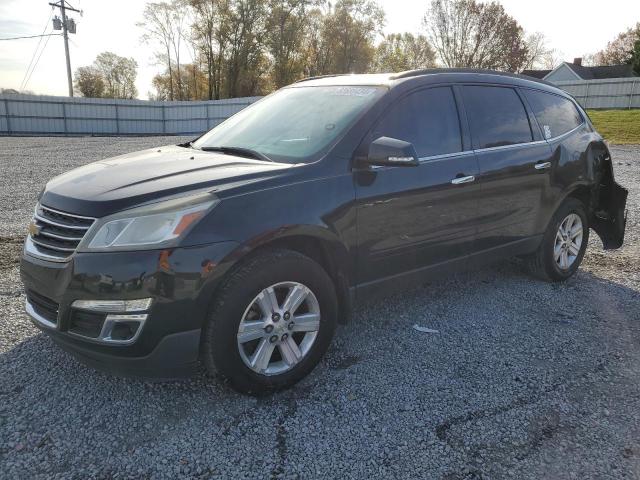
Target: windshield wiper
column 240, row 151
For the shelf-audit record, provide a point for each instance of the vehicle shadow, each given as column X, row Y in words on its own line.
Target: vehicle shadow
column 512, row 367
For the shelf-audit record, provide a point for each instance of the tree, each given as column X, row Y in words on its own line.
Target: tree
column 352, row 28
column 163, row 24
column 318, row 55
column 340, row 39
column 620, row 50
column 403, row 51
column 194, row 83
column 89, row 82
column 635, row 57
column 466, row 33
column 286, row 27
column 210, row 35
column 245, row 62
column 118, row 74
column 110, row 76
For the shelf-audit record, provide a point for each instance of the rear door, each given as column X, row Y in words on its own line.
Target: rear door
column 568, row 137
column 409, row 218
column 514, row 164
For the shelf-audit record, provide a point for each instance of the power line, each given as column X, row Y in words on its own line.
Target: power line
column 32, row 36
column 35, row 51
column 36, row 63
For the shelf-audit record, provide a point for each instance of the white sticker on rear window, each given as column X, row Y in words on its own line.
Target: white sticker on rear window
column 547, row 131
column 354, row 91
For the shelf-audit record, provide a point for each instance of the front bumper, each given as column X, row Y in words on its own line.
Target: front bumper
column 181, row 282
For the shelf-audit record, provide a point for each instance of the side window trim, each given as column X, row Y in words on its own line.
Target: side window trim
column 431, row 159
column 465, row 129
column 565, row 134
column 510, row 147
column 536, row 128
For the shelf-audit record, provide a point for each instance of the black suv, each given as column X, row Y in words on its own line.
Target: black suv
column 244, row 248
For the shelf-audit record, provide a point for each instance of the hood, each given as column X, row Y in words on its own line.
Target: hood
column 115, row 184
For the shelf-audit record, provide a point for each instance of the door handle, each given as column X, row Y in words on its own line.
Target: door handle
column 542, row 165
column 467, row 179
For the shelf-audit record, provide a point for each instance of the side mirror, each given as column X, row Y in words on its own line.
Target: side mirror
column 386, row 151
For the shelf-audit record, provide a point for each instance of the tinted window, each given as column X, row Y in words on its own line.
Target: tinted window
column 496, row 116
column 428, row 119
column 556, row 115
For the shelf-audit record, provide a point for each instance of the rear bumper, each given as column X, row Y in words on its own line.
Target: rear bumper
column 610, row 224
column 181, row 283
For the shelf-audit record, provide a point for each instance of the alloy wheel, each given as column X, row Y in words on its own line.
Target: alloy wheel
column 568, row 241
column 278, row 328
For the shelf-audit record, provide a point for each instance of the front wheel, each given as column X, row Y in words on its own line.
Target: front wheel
column 563, row 244
column 271, row 322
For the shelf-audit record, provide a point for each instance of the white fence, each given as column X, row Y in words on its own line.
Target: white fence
column 45, row 115
column 609, row 93
column 48, row 115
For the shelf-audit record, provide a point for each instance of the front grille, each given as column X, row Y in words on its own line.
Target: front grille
column 45, row 307
column 56, row 234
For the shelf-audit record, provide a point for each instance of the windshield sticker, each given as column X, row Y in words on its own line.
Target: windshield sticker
column 354, row 91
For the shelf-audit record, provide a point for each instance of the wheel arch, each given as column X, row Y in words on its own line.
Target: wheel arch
column 317, row 243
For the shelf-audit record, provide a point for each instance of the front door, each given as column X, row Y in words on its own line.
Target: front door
column 409, row 218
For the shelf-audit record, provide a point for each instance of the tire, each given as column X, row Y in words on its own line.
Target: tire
column 544, row 263
column 244, row 297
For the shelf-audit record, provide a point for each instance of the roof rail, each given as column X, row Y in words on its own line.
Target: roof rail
column 428, row 71
column 323, row 76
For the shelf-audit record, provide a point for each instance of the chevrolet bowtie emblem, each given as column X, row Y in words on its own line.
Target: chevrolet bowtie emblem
column 34, row 229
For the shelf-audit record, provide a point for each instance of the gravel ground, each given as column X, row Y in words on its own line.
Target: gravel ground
column 524, row 379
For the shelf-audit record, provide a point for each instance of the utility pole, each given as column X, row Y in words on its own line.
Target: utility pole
column 68, row 26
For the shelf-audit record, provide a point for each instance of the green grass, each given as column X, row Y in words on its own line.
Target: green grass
column 620, row 127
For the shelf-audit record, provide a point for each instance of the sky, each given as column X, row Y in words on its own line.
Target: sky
column 572, row 27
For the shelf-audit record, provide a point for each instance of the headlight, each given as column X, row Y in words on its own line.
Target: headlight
column 158, row 225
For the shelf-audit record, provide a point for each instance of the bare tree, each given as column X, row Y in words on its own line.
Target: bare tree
column 466, row 33
column 539, row 54
column 163, row 25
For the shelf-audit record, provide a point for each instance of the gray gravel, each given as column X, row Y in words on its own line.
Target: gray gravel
column 524, row 379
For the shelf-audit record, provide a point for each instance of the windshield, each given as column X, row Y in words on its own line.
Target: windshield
column 294, row 125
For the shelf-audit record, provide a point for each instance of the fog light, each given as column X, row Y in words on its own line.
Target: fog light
column 117, row 325
column 116, row 306
column 124, row 329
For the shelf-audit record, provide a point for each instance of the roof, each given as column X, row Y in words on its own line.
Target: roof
column 587, row 73
column 348, row 79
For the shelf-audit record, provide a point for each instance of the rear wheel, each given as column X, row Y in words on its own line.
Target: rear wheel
column 563, row 245
column 271, row 322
